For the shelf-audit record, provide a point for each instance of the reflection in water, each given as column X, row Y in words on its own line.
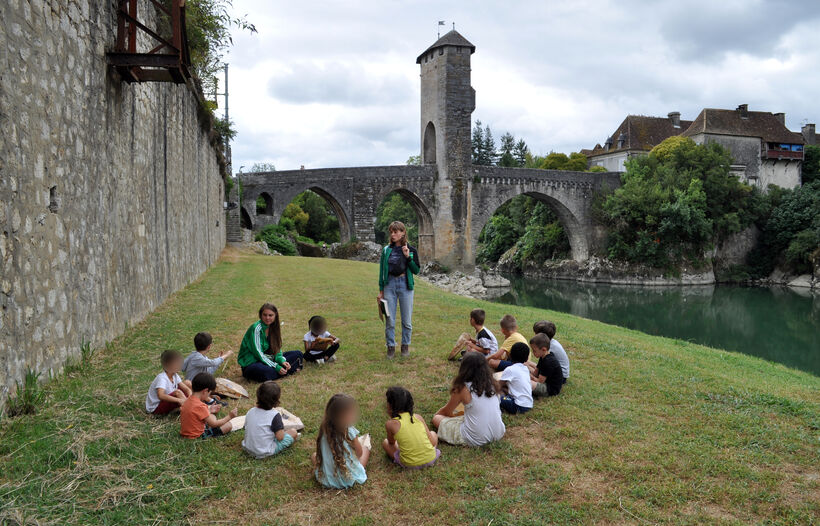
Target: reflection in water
column 778, row 324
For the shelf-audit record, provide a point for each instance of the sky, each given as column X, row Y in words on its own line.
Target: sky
column 327, row 84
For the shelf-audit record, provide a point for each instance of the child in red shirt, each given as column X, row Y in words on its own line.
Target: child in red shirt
column 196, row 419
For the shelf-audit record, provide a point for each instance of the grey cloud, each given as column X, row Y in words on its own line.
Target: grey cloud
column 337, row 83
column 708, row 30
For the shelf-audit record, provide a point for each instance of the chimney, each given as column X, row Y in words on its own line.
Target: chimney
column 674, row 116
column 781, row 117
column 621, row 140
column 743, row 109
column 809, row 136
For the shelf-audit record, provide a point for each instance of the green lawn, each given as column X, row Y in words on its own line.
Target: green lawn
column 648, row 430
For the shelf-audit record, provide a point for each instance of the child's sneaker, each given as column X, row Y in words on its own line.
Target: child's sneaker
column 331, row 359
column 320, row 361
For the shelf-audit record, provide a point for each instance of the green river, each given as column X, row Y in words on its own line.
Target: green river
column 777, row 324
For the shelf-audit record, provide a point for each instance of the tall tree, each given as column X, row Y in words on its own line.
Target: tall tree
column 520, row 152
column 490, row 154
column 478, row 144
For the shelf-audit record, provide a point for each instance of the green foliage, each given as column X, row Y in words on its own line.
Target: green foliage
column 277, row 239
column 414, row 160
column 811, row 164
column 790, row 231
column 395, row 208
column 483, row 145
column 528, row 224
column 208, row 24
column 596, row 168
column 322, row 225
column 498, row 235
column 225, row 129
column 576, row 162
column 297, row 218
column 675, row 203
column 263, row 167
column 27, row 398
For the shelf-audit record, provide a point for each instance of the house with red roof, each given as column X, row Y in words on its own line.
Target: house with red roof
column 763, row 149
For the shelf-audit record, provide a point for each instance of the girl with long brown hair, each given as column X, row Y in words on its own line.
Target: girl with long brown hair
column 260, row 353
column 340, row 455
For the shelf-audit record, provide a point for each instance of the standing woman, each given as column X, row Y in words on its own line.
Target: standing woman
column 398, row 263
column 260, row 353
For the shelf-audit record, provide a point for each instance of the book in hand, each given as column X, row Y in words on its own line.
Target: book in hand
column 384, row 312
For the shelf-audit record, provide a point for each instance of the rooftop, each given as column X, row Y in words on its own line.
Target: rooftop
column 741, row 122
column 452, row 38
column 641, row 132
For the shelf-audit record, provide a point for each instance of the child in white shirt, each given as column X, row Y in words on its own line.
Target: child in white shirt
column 167, row 392
column 320, row 345
column 515, row 380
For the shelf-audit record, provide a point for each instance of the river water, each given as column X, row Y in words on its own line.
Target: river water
column 778, row 324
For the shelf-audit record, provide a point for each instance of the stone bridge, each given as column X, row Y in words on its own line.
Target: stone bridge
column 453, row 198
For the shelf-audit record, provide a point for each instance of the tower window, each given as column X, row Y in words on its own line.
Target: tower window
column 53, row 200
column 441, row 51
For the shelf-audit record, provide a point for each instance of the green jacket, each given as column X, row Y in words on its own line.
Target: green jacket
column 413, row 267
column 253, row 347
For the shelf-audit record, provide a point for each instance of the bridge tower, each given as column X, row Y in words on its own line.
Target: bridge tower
column 447, row 104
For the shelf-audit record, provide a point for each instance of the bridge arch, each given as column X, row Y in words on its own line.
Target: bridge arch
column 345, row 226
column 267, row 209
column 427, row 244
column 573, row 227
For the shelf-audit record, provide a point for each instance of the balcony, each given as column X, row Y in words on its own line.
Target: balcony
column 783, row 155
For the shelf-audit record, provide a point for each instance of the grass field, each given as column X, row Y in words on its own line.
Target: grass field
column 648, row 430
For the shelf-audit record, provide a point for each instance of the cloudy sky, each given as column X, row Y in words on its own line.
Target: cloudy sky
column 327, row 84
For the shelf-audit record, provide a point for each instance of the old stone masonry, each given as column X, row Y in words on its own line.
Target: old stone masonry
column 453, row 199
column 111, row 196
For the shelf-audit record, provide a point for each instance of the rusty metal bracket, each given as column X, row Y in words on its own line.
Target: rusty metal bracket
column 149, row 65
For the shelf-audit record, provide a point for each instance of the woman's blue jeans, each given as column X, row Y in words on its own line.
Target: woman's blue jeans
column 396, row 292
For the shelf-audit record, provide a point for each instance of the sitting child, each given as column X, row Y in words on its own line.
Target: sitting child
column 484, row 341
column 340, row 455
column 481, row 422
column 195, row 418
column 197, row 362
column 548, row 328
column 409, row 443
column 320, row 345
column 509, row 328
column 547, row 378
column 167, row 392
column 515, row 380
column 265, row 433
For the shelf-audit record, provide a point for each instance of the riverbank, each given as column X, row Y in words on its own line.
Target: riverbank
column 606, row 271
column 648, row 429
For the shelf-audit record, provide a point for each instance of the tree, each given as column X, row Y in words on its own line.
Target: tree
column 322, row 223
column 477, row 142
column 675, row 203
column 507, row 143
column 298, row 217
column 811, row 164
column 520, row 152
column 491, row 155
column 262, row 167
column 414, row 160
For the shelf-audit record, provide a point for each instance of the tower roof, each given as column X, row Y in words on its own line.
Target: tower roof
column 452, row 38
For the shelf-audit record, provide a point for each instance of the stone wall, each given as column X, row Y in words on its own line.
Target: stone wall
column 110, row 194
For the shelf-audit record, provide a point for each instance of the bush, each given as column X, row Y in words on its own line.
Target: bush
column 28, row 396
column 276, row 237
column 677, row 202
